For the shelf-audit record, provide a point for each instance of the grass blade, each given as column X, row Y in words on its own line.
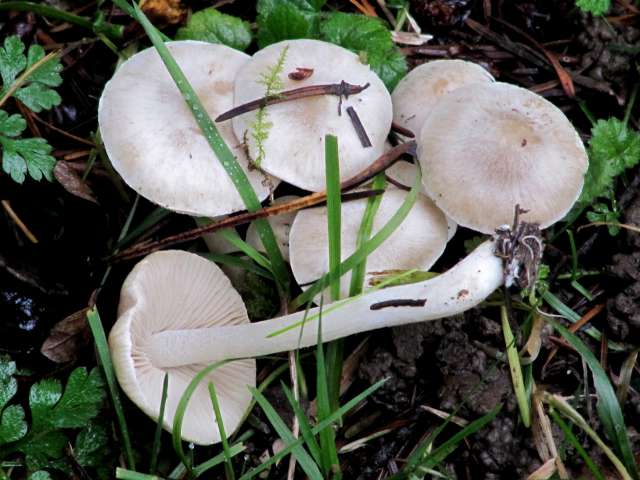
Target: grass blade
column 155, row 450
column 369, row 246
column 221, row 150
column 563, row 406
column 366, row 226
column 334, row 212
column 315, row 430
column 95, row 324
column 305, row 426
column 182, row 408
column 334, row 225
column 231, row 236
column 218, row 459
column 124, row 474
column 516, row 370
column 571, row 438
column 328, row 448
column 302, row 456
column 228, row 466
column 608, row 406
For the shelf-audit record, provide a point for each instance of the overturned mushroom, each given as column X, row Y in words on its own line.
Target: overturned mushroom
column 153, row 140
column 292, row 148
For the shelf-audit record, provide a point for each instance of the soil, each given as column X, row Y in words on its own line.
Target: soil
column 454, row 365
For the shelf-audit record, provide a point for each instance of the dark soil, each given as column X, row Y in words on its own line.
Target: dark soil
column 455, row 365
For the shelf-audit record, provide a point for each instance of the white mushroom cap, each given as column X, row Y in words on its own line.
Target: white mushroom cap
column 153, row 140
column 175, row 290
column 281, row 225
column 294, row 149
column 405, row 174
column 417, row 93
column 488, row 147
column 417, row 243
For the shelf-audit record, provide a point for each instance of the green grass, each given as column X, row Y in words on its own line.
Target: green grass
column 102, row 347
column 517, row 379
column 608, row 407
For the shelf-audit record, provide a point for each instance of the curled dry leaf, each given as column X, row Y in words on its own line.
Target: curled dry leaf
column 164, row 11
column 67, row 337
column 301, row 73
column 71, row 181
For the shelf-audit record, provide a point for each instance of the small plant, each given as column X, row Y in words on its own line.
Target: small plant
column 595, row 7
column 30, row 79
column 272, row 84
column 53, row 412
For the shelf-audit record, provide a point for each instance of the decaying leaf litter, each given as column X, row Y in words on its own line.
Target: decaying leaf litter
column 55, row 242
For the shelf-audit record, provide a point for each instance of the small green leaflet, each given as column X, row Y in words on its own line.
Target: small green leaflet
column 23, row 155
column 209, row 25
column 369, row 38
column 35, row 90
column 601, row 212
column 52, row 411
column 287, row 19
column 595, row 7
column 29, row 78
column 12, row 424
column 91, row 449
column 612, row 149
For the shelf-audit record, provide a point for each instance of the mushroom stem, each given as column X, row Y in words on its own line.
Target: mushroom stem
column 460, row 288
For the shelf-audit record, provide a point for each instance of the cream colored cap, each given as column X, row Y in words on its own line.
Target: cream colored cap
column 281, row 225
column 153, row 140
column 294, row 147
column 487, row 148
column 417, row 243
column 176, row 290
column 417, row 93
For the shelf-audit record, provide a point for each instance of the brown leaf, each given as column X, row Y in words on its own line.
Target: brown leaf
column 71, row 181
column 67, row 337
column 301, row 73
column 164, row 11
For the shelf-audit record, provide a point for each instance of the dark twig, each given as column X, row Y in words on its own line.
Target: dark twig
column 400, row 302
column 402, row 130
column 342, row 89
column 384, row 161
column 357, row 125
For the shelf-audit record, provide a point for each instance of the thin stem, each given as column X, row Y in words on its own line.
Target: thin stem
column 342, row 89
column 113, row 31
column 462, row 287
column 22, row 79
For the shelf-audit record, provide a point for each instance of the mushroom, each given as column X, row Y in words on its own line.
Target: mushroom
column 510, row 257
column 293, row 148
column 488, row 147
column 153, row 140
column 281, row 225
column 417, row 93
column 404, row 174
column 418, row 243
column 171, row 291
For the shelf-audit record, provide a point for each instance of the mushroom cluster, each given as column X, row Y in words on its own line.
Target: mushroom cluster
column 485, row 149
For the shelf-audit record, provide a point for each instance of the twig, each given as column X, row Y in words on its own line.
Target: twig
column 357, row 125
column 21, row 225
column 342, row 89
column 384, row 161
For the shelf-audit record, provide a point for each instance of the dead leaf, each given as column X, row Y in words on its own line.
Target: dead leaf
column 71, row 181
column 301, row 73
column 164, row 11
column 67, row 337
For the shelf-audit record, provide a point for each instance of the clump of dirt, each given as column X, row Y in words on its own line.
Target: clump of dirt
column 441, row 13
column 623, row 309
column 609, row 49
column 503, row 450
